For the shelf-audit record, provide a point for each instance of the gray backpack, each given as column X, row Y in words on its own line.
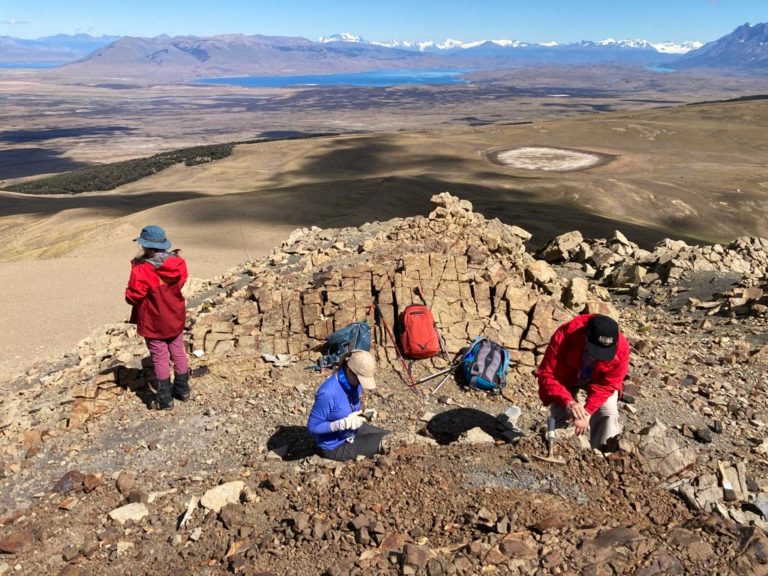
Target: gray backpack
column 484, row 365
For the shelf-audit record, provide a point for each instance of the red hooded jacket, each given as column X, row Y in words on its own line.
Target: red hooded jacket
column 154, row 291
column 558, row 373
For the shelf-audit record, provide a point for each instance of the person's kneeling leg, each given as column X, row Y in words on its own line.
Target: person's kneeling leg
column 604, row 423
column 365, row 442
column 368, row 440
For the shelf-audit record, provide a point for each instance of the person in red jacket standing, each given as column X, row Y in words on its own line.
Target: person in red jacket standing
column 159, row 312
column 588, row 353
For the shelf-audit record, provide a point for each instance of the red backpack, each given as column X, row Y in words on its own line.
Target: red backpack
column 419, row 337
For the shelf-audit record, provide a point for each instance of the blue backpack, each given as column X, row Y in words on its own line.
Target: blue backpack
column 484, row 365
column 355, row 336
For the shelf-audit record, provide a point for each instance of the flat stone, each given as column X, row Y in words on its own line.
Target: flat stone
column 68, row 503
column 72, row 480
column 515, row 548
column 137, row 496
column 216, row 498
column 761, row 503
column 551, row 522
column 665, row 457
column 476, row 436
column 494, row 556
column 478, row 548
column 16, row 541
column 90, row 547
column 232, row 515
column 134, row 511
column 618, row 536
column 695, row 548
column 392, row 542
column 415, row 556
column 709, row 495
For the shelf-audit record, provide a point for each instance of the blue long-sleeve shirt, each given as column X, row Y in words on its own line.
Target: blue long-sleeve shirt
column 334, row 400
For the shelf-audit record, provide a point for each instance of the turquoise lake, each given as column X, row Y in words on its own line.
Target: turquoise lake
column 26, row 65
column 380, row 78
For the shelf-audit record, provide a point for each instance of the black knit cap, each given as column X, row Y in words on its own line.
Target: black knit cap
column 602, row 337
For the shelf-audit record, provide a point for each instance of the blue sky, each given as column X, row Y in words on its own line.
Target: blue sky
column 526, row 20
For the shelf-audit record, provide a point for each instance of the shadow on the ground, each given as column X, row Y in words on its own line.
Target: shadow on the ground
column 22, row 162
column 448, row 426
column 114, row 204
column 144, row 385
column 353, row 202
column 292, row 442
column 352, row 181
column 43, row 134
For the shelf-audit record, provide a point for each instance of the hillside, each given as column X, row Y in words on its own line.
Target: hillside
column 51, row 50
column 459, row 492
column 745, row 49
column 187, row 57
column 695, row 173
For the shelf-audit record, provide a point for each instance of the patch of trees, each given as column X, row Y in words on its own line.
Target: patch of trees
column 110, row 176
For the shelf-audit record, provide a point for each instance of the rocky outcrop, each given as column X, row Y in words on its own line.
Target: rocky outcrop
column 619, row 263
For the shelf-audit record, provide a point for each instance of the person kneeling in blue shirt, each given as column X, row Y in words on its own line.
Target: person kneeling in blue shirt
column 336, row 420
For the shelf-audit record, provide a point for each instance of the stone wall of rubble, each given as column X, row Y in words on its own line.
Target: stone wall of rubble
column 474, row 273
column 618, row 262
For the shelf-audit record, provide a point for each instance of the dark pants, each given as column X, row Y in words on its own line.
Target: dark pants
column 367, row 442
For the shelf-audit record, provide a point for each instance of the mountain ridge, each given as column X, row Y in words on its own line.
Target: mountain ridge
column 746, row 48
column 183, row 58
column 449, row 43
column 186, row 57
column 63, row 50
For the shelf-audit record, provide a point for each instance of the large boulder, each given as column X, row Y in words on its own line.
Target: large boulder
column 664, row 456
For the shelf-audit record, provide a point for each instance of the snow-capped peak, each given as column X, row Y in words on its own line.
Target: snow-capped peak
column 451, row 44
column 677, row 48
column 406, row 45
column 633, row 43
column 343, row 37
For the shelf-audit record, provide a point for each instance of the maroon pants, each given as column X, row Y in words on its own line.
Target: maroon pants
column 165, row 351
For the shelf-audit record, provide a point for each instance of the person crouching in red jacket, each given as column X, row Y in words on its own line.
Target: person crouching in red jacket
column 159, row 312
column 588, row 353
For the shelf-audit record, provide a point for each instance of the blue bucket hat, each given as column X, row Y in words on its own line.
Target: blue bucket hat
column 153, row 237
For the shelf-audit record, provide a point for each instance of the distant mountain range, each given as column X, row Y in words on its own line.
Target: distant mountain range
column 746, row 49
column 457, row 45
column 51, row 50
column 180, row 58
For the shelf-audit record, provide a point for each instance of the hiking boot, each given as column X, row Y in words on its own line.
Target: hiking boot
column 163, row 400
column 181, row 386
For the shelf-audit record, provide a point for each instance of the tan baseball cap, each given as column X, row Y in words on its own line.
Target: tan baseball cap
column 363, row 364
